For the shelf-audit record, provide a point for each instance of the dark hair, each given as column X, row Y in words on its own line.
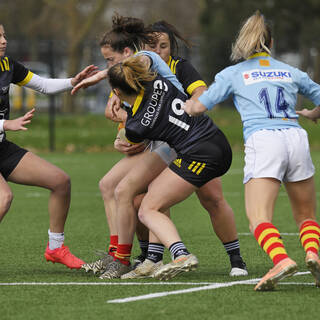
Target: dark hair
column 126, row 32
column 172, row 32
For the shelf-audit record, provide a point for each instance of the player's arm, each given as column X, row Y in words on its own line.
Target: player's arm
column 123, row 145
column 17, row 124
column 90, row 81
column 313, row 114
column 197, row 92
column 194, row 107
column 52, row 86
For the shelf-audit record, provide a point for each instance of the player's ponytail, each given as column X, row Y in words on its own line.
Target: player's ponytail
column 126, row 32
column 254, row 37
column 130, row 75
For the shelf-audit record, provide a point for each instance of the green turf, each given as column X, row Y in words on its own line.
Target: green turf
column 23, row 237
column 93, row 133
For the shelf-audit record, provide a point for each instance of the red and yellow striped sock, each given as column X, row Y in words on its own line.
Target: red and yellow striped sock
column 123, row 253
column 309, row 236
column 113, row 245
column 270, row 241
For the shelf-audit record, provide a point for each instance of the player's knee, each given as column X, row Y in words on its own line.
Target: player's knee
column 5, row 202
column 62, row 183
column 106, row 187
column 212, row 204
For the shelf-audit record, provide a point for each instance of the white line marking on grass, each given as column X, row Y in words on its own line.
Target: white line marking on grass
column 103, row 283
column 282, row 233
column 168, row 293
column 206, row 287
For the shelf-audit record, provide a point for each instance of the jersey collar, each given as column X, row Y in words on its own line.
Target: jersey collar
column 137, row 103
column 259, row 54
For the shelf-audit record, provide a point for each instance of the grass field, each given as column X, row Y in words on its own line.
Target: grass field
column 31, row 288
column 23, row 239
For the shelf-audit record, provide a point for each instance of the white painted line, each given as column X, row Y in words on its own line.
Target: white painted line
column 104, row 283
column 208, row 287
column 169, row 293
column 282, row 233
column 158, row 283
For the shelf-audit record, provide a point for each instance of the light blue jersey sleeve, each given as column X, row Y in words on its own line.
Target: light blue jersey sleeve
column 218, row 91
column 162, row 68
column 309, row 88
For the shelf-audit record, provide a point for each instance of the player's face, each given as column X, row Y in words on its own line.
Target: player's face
column 113, row 57
column 162, row 46
column 3, row 41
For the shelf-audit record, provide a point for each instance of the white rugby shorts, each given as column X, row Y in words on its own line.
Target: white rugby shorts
column 166, row 153
column 282, row 154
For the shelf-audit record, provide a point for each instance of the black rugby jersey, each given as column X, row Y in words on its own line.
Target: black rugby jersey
column 10, row 72
column 157, row 115
column 187, row 75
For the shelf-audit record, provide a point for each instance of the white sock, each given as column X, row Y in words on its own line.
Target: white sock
column 55, row 240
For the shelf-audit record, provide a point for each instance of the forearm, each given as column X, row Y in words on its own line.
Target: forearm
column 48, row 86
column 315, row 113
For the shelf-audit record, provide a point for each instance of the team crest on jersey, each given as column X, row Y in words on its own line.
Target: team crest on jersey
column 257, row 75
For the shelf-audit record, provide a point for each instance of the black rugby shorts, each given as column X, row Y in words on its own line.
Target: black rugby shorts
column 10, row 156
column 207, row 160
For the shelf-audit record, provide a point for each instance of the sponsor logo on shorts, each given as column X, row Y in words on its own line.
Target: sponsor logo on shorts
column 255, row 76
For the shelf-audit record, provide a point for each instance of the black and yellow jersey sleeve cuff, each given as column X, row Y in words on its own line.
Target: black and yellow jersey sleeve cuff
column 26, row 79
column 195, row 85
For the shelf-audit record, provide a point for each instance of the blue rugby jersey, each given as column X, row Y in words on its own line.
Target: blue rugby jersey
column 264, row 91
column 162, row 68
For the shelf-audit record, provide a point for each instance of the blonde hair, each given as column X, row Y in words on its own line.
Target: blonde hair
column 130, row 75
column 254, row 37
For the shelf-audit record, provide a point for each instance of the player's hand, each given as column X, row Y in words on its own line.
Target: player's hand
column 85, row 73
column 193, row 108
column 113, row 110
column 19, row 123
column 115, row 105
column 90, row 81
column 127, row 148
column 309, row 114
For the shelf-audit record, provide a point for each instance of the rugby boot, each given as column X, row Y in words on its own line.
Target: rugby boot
column 64, row 256
column 285, row 268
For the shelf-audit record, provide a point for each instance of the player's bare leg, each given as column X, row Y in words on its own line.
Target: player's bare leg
column 6, row 197
column 223, row 222
column 35, row 171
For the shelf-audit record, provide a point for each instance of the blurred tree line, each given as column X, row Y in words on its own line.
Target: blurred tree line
column 65, row 33
column 295, row 25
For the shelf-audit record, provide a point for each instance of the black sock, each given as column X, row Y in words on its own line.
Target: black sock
column 144, row 247
column 178, row 249
column 233, row 250
column 155, row 252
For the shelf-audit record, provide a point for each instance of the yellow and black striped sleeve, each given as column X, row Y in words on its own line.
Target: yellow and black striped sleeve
column 188, row 76
column 21, row 75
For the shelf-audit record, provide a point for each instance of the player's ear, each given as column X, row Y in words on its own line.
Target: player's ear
column 127, row 52
column 116, row 91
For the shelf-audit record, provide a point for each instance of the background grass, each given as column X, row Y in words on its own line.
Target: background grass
column 23, row 238
column 93, row 133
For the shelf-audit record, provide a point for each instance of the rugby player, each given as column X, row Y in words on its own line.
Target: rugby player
column 203, row 152
column 21, row 166
column 276, row 147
